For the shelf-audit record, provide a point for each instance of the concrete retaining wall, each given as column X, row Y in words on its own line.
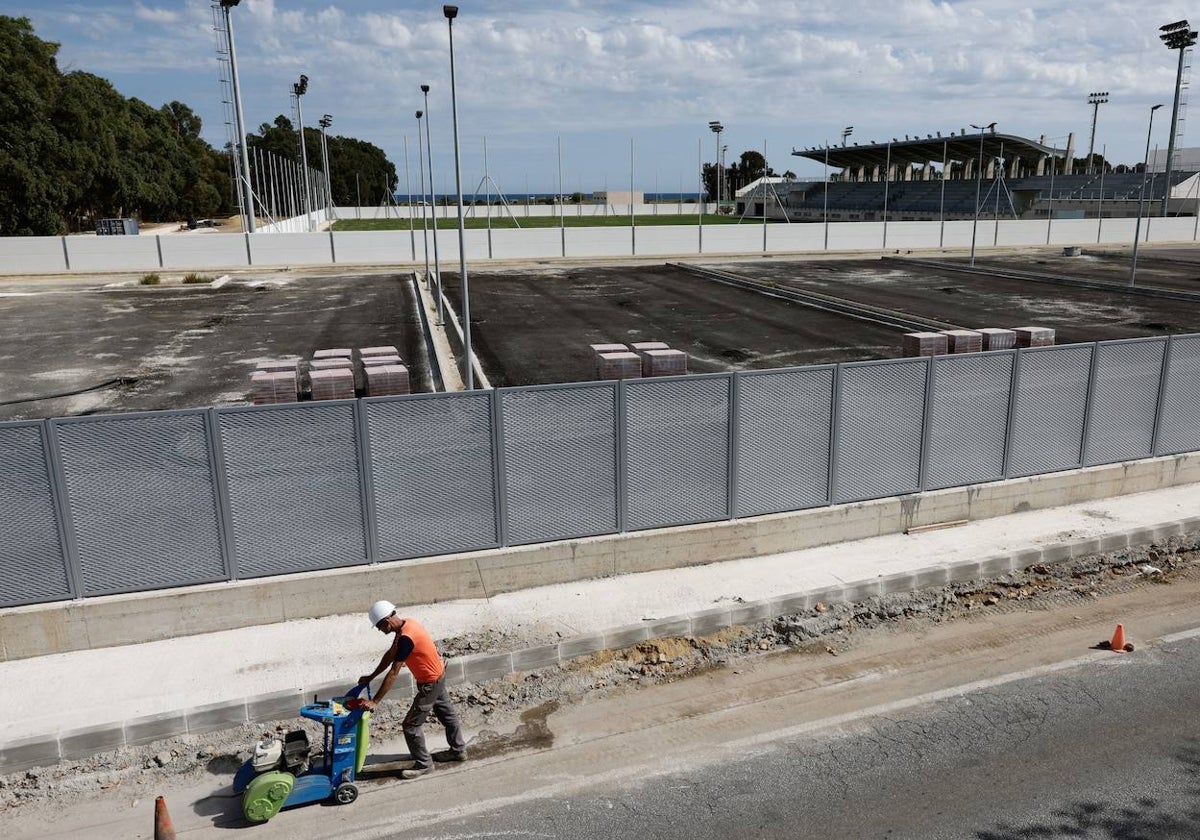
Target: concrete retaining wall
column 58, row 255
column 142, row 617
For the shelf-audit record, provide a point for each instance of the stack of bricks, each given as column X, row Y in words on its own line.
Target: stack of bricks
column 998, row 339
column 386, row 380
column 332, row 363
column 272, row 386
column 332, row 383
column 376, row 361
column 925, row 344
column 964, row 341
column 377, row 352
column 664, row 362
column 642, row 348
column 618, row 365
column 1034, row 336
column 336, row 353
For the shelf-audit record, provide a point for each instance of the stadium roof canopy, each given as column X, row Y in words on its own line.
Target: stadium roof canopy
column 932, row 149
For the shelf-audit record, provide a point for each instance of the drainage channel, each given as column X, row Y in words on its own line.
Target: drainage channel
column 435, row 368
column 1052, row 279
column 851, row 309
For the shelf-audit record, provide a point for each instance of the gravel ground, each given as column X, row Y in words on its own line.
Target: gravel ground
column 520, row 704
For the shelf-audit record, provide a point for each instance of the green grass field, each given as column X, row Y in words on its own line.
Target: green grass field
column 475, row 222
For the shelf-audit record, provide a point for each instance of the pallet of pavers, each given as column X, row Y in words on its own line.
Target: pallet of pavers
column 618, row 365
column 376, row 361
column 335, row 353
column 272, row 386
column 1034, row 336
column 925, row 344
column 332, row 384
column 995, row 338
column 332, row 363
column 386, row 380
column 609, row 348
column 642, row 348
column 664, row 363
column 964, row 341
column 278, row 365
column 383, row 350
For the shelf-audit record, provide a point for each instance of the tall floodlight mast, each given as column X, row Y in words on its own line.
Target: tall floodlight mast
column 1175, row 36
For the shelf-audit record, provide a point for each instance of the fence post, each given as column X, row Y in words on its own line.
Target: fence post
column 220, row 481
column 66, row 524
column 926, row 416
column 1164, row 372
column 249, row 256
column 734, row 436
column 833, row 461
column 366, row 481
column 622, row 458
column 499, row 468
column 1013, row 386
column 1085, row 438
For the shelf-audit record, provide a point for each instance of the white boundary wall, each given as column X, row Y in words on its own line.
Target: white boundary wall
column 181, row 252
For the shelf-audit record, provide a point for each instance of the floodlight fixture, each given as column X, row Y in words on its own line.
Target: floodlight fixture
column 229, row 4
column 1095, row 99
column 451, row 12
column 1176, row 36
column 424, row 88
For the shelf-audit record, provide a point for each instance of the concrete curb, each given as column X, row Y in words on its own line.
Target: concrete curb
column 48, row 750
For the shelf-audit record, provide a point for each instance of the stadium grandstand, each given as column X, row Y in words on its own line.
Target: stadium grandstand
column 938, row 177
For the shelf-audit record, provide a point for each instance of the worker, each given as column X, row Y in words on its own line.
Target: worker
column 414, row 647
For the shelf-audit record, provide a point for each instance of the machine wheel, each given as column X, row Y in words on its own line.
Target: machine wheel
column 345, row 793
column 265, row 796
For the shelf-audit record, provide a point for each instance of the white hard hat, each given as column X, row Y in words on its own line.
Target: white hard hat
column 380, row 610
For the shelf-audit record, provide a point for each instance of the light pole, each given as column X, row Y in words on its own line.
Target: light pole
column 325, row 122
column 451, row 12
column 245, row 191
column 716, row 128
column 424, row 225
column 978, row 182
column 1175, row 36
column 1095, row 100
column 437, row 263
column 1137, row 230
column 846, row 132
column 299, row 89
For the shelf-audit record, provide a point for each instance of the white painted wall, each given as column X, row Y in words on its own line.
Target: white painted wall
column 181, row 252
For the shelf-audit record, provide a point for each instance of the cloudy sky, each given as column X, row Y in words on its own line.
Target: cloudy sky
column 600, row 74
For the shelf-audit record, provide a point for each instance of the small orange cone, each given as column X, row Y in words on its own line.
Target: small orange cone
column 1118, row 642
column 163, row 828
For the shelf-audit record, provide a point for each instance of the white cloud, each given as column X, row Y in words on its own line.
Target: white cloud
column 157, row 15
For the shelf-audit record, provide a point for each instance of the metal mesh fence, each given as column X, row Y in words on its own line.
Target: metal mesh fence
column 968, row 419
column 880, row 411
column 172, row 498
column 34, row 565
column 142, row 502
column 1124, row 397
column 293, row 482
column 1048, row 412
column 677, row 451
column 1179, row 424
column 783, row 440
column 560, row 462
column 432, row 474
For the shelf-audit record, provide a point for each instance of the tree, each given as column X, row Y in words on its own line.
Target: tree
column 751, row 166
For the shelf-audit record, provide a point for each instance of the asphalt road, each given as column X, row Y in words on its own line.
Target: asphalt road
column 1107, row 750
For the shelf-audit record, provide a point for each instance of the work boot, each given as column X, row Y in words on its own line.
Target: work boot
column 450, row 755
column 414, row 772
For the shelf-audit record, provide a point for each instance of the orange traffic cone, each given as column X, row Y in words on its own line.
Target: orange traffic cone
column 1118, row 642
column 163, row 828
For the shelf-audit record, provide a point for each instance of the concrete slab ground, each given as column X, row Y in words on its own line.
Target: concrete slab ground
column 89, row 700
column 184, row 346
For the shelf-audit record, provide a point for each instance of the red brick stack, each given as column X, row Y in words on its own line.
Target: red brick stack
column 331, row 363
column 925, row 344
column 964, row 341
column 336, row 353
column 998, row 339
column 1034, row 336
column 332, row 383
column 664, row 362
column 618, row 365
column 272, row 386
column 386, row 380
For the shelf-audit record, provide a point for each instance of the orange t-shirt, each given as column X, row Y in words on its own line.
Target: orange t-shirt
column 424, row 662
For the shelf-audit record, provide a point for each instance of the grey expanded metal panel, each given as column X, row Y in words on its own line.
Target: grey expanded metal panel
column 293, row 483
column 560, row 457
column 1048, row 413
column 143, row 508
column 33, row 565
column 783, row 440
column 677, row 451
column 880, row 411
column 1124, row 398
column 432, row 474
column 968, row 419
column 1179, row 425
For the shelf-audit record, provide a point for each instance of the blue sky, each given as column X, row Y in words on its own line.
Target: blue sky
column 598, row 74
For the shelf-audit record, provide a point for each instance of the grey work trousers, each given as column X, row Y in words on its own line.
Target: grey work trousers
column 431, row 697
